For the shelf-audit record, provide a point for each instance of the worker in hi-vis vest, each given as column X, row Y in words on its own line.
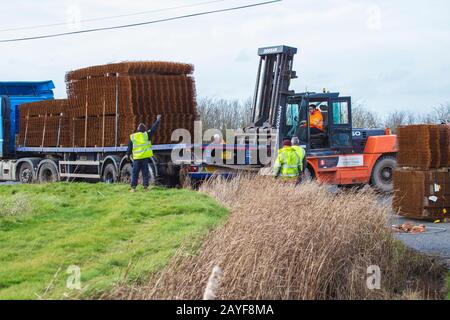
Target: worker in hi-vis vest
column 140, row 146
column 301, row 153
column 288, row 165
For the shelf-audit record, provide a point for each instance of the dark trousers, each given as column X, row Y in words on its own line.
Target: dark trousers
column 314, row 130
column 140, row 166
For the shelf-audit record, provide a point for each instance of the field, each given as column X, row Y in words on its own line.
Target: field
column 448, row 286
column 286, row 242
column 268, row 239
column 109, row 233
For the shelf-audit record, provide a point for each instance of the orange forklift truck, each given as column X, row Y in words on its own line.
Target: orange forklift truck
column 337, row 154
column 340, row 154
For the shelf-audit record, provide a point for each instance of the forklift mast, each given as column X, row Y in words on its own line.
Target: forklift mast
column 272, row 87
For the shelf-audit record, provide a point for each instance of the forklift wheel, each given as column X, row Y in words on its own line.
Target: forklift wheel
column 382, row 174
column 308, row 174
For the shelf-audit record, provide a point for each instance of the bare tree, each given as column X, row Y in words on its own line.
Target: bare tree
column 439, row 114
column 399, row 118
column 224, row 114
column 396, row 119
column 364, row 118
column 442, row 113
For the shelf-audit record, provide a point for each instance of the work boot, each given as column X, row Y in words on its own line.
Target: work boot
column 132, row 190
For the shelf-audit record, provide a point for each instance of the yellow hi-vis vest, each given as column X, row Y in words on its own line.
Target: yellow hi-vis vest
column 142, row 147
column 301, row 153
column 289, row 162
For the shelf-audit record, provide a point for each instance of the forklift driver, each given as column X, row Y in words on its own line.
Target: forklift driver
column 315, row 120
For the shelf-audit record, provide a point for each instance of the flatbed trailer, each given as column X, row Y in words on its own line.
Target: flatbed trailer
column 108, row 164
column 46, row 164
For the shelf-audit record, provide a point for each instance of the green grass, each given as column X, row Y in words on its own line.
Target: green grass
column 448, row 286
column 111, row 234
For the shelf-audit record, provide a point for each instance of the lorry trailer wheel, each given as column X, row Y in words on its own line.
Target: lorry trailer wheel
column 26, row 173
column 151, row 176
column 110, row 174
column 125, row 173
column 47, row 173
column 382, row 173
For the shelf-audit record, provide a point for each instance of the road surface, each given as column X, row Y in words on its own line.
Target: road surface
column 435, row 241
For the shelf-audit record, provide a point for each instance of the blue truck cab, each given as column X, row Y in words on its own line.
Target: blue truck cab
column 13, row 94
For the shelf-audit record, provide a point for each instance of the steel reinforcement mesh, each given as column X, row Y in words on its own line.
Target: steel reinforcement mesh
column 44, row 123
column 419, row 146
column 444, row 143
column 100, row 131
column 132, row 68
column 118, row 96
column 422, row 194
column 132, row 95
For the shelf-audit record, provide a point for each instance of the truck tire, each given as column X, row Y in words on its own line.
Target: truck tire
column 382, row 173
column 26, row 173
column 125, row 173
column 152, row 175
column 184, row 178
column 47, row 173
column 110, row 174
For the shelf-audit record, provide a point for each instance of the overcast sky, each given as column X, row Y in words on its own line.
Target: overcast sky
column 386, row 54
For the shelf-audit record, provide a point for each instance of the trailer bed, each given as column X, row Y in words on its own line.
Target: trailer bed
column 157, row 147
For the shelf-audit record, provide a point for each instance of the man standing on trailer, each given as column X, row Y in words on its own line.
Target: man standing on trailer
column 140, row 146
column 289, row 164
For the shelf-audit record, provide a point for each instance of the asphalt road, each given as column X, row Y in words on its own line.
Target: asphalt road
column 435, row 241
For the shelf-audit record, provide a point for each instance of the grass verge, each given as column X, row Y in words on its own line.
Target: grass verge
column 109, row 233
column 448, row 286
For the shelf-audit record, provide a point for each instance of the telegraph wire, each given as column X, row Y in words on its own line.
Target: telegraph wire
column 139, row 23
column 113, row 17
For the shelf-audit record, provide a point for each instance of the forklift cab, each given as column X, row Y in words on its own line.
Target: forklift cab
column 336, row 136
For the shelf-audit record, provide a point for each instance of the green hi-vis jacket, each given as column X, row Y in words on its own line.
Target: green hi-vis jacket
column 301, row 153
column 289, row 162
